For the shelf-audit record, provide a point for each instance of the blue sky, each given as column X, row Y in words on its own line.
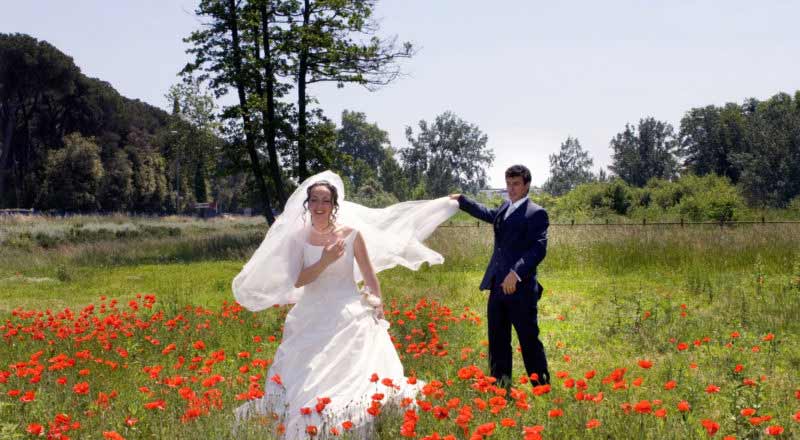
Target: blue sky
column 528, row 73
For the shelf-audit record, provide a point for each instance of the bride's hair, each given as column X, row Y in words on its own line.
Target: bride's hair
column 334, row 198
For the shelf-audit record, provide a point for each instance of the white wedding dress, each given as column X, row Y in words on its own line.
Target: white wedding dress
column 332, row 345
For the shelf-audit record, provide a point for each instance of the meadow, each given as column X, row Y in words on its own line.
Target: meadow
column 122, row 327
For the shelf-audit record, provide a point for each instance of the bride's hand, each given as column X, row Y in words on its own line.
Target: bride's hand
column 332, row 252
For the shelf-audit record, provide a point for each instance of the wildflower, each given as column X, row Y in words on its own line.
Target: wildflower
column 35, row 429
column 593, row 423
column 508, row 423
column 683, row 406
column 774, row 430
column 643, row 407
column 556, row 412
column 670, row 385
column 711, row 389
column 486, row 429
column 711, row 426
column 347, row 425
column 156, row 404
column 81, row 388
column 644, row 363
column 747, row 412
column 660, row 413
column 311, row 430
column 112, row 435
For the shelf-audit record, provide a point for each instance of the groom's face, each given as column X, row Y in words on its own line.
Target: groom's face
column 516, row 187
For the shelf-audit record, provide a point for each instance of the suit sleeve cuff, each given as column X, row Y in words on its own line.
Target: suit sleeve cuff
column 516, row 275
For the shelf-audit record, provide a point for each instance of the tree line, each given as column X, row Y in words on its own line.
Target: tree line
column 755, row 146
column 72, row 143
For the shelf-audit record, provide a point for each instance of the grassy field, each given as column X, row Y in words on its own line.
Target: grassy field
column 627, row 311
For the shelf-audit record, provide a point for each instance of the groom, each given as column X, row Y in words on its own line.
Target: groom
column 520, row 238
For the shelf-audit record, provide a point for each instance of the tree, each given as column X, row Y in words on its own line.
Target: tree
column 336, row 41
column 116, row 188
column 639, row 155
column 364, row 145
column 392, row 178
column 150, row 190
column 35, row 78
column 710, row 137
column 569, row 168
column 771, row 162
column 220, row 53
column 72, row 176
column 193, row 141
column 448, row 155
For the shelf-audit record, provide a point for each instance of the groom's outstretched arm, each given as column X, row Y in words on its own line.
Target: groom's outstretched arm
column 474, row 208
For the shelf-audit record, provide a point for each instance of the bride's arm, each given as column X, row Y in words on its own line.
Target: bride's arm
column 329, row 255
column 367, row 271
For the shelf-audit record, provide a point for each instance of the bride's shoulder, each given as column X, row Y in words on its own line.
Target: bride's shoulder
column 344, row 231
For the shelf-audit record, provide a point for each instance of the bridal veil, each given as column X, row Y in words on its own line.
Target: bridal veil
column 394, row 236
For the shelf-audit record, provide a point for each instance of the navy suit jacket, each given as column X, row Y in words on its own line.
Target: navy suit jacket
column 520, row 241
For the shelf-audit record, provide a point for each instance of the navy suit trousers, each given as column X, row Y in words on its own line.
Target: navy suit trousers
column 520, row 310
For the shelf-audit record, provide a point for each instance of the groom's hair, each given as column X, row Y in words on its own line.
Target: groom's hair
column 519, row 171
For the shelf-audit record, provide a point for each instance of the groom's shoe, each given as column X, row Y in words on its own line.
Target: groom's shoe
column 540, row 379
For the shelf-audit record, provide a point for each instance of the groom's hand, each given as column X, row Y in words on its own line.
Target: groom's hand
column 455, row 196
column 510, row 283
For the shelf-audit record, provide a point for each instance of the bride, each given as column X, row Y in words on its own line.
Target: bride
column 336, row 353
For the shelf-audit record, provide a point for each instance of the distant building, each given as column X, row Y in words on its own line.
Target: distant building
column 503, row 192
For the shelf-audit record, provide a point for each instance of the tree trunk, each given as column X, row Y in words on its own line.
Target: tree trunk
column 248, row 125
column 302, row 168
column 269, row 116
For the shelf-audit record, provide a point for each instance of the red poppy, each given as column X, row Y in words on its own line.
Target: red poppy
column 643, row 407
column 711, row 389
column 508, row 423
column 747, row 412
column 711, row 426
column 644, row 363
column 156, row 404
column 112, row 435
column 35, row 429
column 593, row 423
column 81, row 388
column 683, row 406
column 555, row 412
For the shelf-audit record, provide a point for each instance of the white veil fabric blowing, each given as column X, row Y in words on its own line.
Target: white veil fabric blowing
column 393, row 235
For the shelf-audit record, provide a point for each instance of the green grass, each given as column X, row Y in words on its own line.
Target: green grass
column 613, row 296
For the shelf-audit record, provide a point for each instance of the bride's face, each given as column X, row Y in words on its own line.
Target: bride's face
column 320, row 205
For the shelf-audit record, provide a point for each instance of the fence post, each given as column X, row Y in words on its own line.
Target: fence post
column 572, row 222
column 763, row 220
column 644, row 221
column 681, row 221
column 606, row 221
column 478, row 224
